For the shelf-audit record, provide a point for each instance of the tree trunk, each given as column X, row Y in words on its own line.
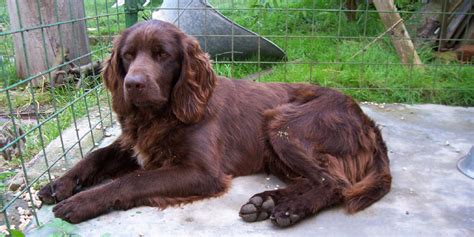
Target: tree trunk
column 35, row 53
column 400, row 37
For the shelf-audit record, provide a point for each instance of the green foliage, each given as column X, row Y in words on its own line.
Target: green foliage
column 16, row 233
column 61, row 228
column 322, row 43
column 264, row 3
column 3, row 183
column 52, row 127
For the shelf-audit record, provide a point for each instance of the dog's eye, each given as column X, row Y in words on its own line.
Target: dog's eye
column 159, row 53
column 163, row 54
column 128, row 56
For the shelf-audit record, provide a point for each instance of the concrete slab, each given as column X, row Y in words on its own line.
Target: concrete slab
column 430, row 197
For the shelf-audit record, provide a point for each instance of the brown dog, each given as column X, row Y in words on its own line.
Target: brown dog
column 187, row 132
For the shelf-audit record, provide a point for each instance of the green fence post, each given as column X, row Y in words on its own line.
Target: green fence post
column 132, row 7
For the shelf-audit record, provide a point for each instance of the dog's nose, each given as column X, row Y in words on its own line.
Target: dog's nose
column 134, row 83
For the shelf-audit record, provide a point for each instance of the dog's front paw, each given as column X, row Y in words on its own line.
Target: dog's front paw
column 57, row 191
column 82, row 206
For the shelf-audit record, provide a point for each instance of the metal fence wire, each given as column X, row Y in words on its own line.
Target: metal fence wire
column 54, row 108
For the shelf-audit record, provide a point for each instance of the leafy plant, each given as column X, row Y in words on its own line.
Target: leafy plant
column 16, row 233
column 3, row 178
column 62, row 228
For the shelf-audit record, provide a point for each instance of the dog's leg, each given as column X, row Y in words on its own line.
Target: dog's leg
column 104, row 163
column 288, row 206
column 340, row 152
column 299, row 204
column 288, row 135
column 305, row 197
column 159, row 187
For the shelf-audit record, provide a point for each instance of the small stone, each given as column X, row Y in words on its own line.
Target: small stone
column 20, row 210
column 37, row 203
column 447, row 143
column 407, row 213
column 402, row 118
column 96, row 144
column 277, row 186
column 27, row 197
column 23, row 225
column 404, row 168
column 267, row 178
column 287, row 213
column 23, row 219
column 15, row 185
column 267, row 186
column 457, row 150
column 63, row 169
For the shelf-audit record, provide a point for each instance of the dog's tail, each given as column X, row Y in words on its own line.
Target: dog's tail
column 374, row 184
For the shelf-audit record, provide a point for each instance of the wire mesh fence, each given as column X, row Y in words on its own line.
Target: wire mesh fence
column 51, row 89
column 52, row 102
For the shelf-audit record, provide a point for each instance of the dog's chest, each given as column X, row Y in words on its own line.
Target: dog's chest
column 156, row 146
column 155, row 158
column 141, row 156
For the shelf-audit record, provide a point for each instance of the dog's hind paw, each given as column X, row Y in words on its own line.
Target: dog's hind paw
column 287, row 214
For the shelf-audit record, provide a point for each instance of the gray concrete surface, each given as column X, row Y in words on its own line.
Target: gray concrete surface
column 429, row 197
column 89, row 129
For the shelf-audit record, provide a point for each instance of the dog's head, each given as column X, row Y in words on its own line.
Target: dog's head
column 155, row 66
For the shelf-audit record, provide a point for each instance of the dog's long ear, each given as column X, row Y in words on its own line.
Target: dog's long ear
column 113, row 75
column 195, row 84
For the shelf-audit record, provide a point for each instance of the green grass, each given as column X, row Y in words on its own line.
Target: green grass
column 53, row 126
column 45, row 99
column 325, row 59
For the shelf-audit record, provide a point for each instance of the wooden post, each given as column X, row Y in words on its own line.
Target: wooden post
column 351, row 7
column 40, row 53
column 400, row 37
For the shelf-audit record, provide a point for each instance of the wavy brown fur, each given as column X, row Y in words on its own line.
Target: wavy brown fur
column 186, row 132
